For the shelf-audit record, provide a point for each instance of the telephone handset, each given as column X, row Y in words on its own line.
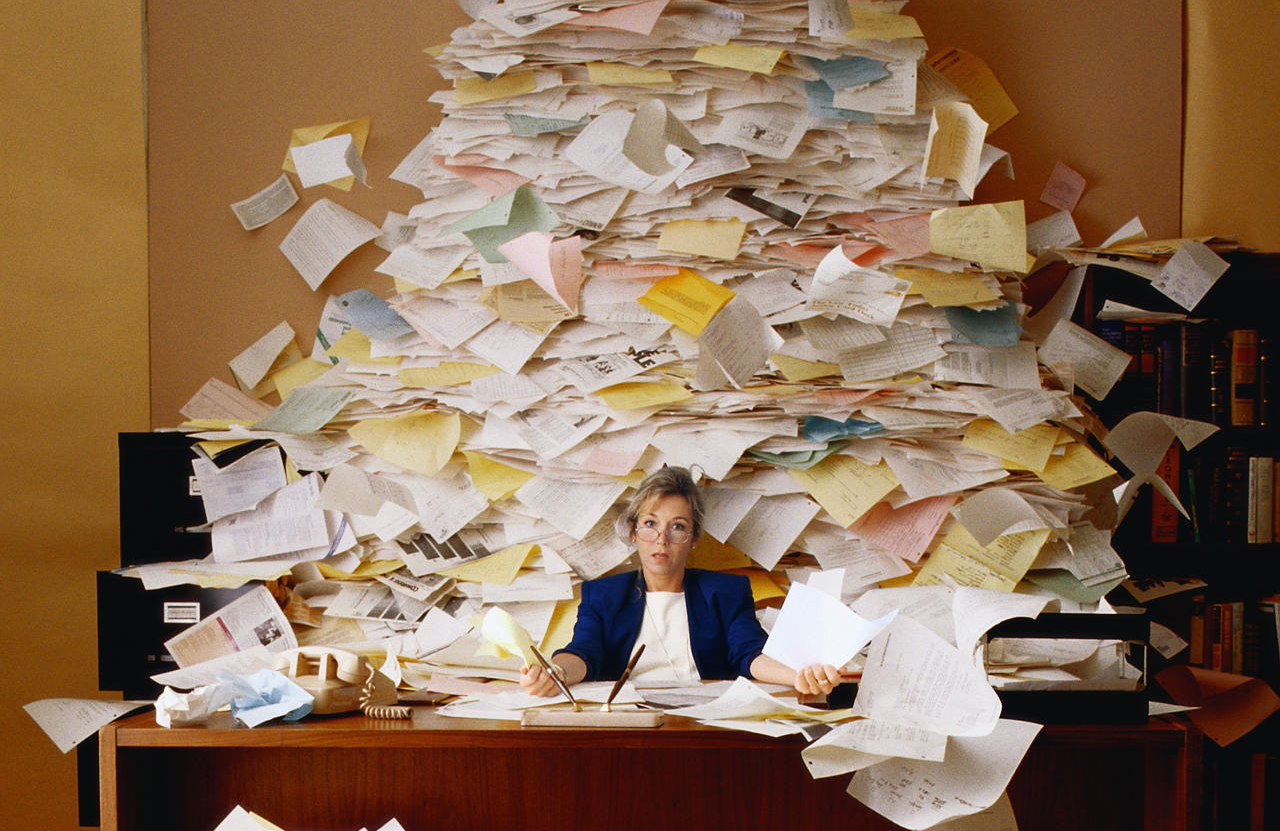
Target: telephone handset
column 340, row 681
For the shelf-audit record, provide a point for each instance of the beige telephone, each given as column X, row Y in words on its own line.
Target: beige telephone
column 340, row 681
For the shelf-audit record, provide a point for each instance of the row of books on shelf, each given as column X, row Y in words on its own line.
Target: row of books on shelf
column 1229, row 494
column 1194, row 369
column 1236, row 636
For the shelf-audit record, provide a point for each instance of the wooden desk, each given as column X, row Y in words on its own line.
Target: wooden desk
column 341, row 773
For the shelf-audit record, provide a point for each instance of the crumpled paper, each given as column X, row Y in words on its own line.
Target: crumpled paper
column 254, row 699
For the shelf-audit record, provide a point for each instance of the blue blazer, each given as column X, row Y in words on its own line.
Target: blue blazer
column 723, row 630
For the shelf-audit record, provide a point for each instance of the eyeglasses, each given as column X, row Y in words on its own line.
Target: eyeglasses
column 675, row 536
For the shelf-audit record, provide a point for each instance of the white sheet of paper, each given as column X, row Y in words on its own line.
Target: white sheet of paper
column 1189, row 274
column 267, row 204
column 816, row 628
column 335, row 157
column 285, row 521
column 914, row 677
column 238, row 663
column 69, row 721
column 773, row 524
column 918, row 795
column 857, row 744
column 241, row 485
column 323, row 237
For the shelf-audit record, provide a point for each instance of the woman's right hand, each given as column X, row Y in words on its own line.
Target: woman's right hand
column 537, row 681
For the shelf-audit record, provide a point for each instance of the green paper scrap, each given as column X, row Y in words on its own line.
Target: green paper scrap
column 305, row 410
column 994, row 327
column 509, row 216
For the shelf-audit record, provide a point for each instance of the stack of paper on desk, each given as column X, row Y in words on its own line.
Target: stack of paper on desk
column 728, row 236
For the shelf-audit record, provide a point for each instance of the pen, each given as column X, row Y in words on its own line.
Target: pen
column 556, row 678
column 617, row 685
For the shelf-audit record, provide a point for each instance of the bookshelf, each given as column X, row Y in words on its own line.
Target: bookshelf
column 1216, row 366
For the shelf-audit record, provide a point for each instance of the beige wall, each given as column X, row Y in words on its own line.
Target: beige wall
column 74, row 363
column 1231, row 178
column 75, row 366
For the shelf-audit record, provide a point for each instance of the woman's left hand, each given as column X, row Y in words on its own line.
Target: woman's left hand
column 817, row 679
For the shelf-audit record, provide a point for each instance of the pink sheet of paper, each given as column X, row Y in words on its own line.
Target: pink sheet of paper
column 905, row 531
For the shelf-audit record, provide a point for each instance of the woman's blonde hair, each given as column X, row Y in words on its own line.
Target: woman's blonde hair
column 666, row 481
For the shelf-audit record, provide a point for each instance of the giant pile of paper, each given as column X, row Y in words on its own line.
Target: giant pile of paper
column 727, row 236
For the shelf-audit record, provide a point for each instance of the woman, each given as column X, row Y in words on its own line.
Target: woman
column 694, row 624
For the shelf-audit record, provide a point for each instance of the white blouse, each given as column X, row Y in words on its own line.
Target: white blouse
column 668, row 651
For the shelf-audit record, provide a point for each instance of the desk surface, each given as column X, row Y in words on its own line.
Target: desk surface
column 342, row 772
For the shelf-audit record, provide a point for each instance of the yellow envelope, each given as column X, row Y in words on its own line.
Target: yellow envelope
column 447, row 374
column 422, row 441
column 1077, row 466
column 718, row 239
column 1030, row 448
column 362, row 571
column 760, row 59
column 940, row 288
column 477, row 90
column 974, row 78
column 297, row 374
column 600, row 72
column 846, row 487
column 763, row 585
column 357, row 128
column 505, row 637
column 713, row 555
column 354, row 345
column 560, row 629
column 687, row 299
column 967, row 562
column 500, row 568
column 633, row 395
column 882, row 25
column 494, row 479
column 992, row 235
column 798, row 369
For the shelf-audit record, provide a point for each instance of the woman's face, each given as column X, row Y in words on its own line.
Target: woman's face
column 663, row 559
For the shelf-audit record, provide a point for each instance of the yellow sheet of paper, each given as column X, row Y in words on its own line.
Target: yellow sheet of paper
column 420, row 441
column 447, row 374
column 560, row 629
column 1030, row 448
column 1077, row 466
column 846, row 487
column 882, row 25
column 992, row 235
column 502, row 631
column 362, row 571
column 477, row 90
column 716, row 238
column 798, row 369
column 215, row 446
column 713, row 555
column 633, row 395
column 600, row 72
column 297, row 374
column 956, row 134
column 357, row 128
column 974, row 78
column 964, row 560
column 763, row 586
column 460, row 274
column 494, row 479
column 760, row 59
column 940, row 288
column 687, row 299
column 500, row 568
column 354, row 346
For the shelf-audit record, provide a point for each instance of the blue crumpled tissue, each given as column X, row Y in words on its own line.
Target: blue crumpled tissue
column 265, row 695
